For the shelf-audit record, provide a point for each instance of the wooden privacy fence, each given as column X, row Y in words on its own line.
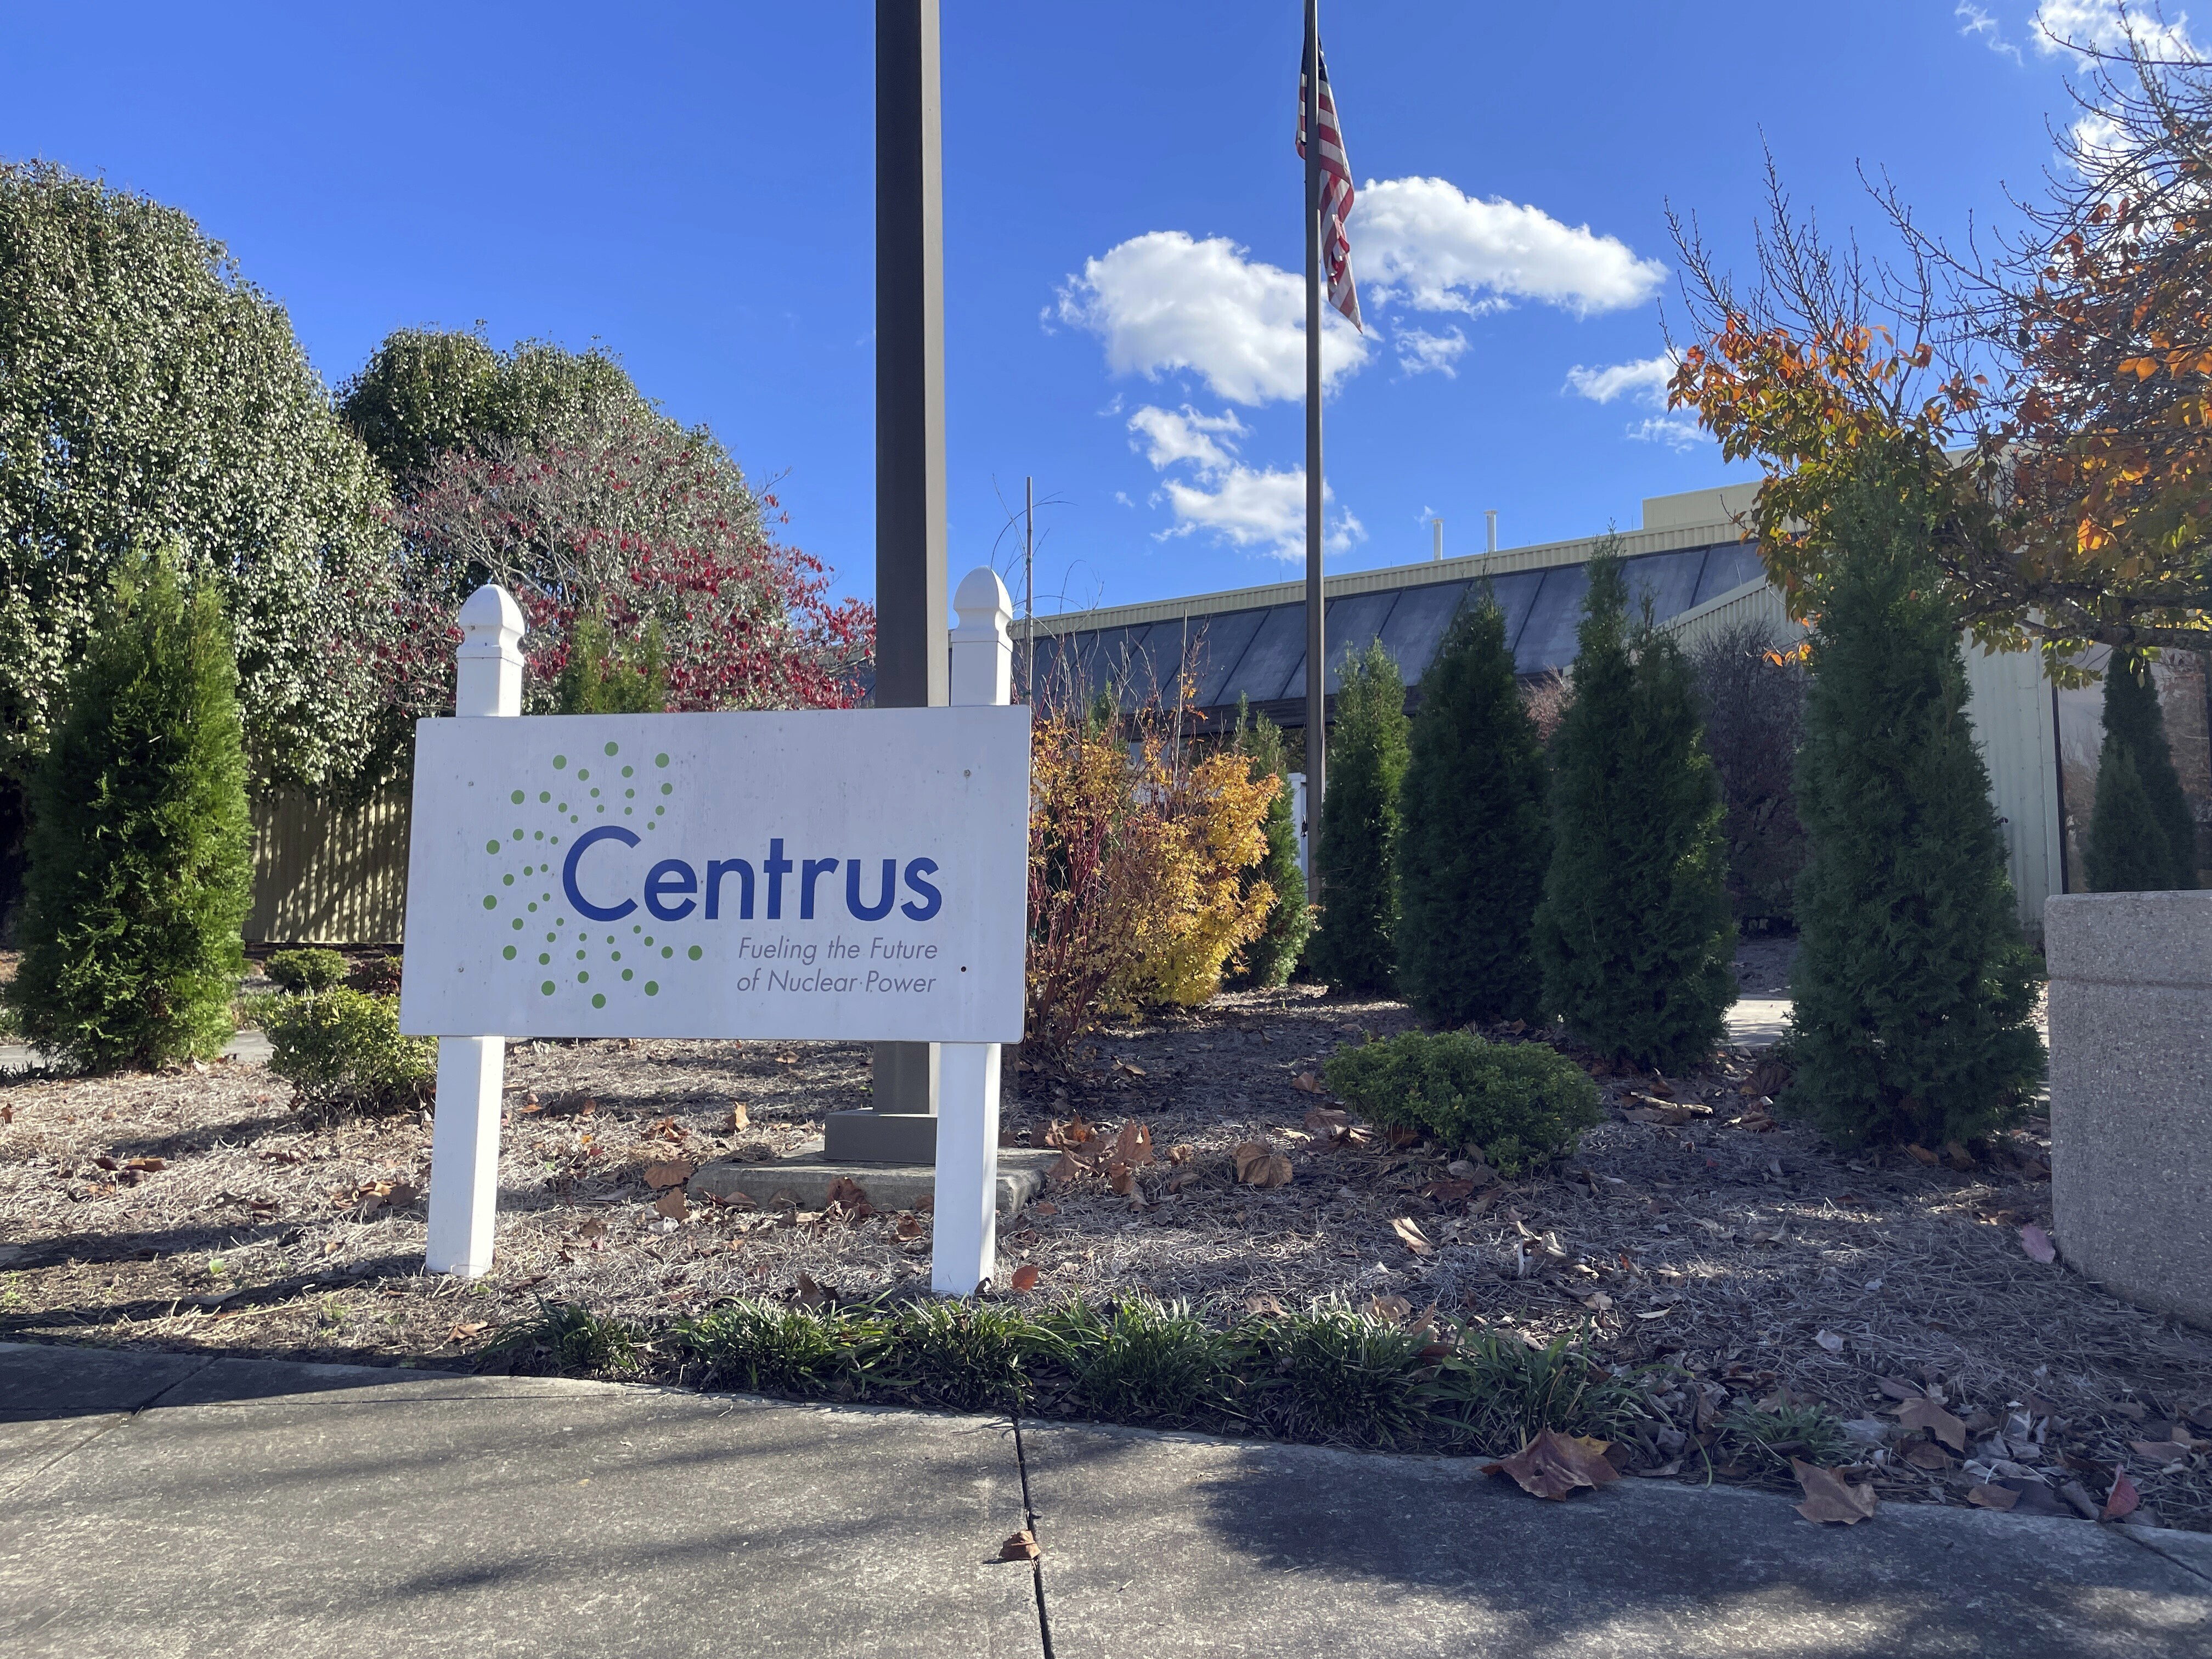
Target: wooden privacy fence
column 325, row 874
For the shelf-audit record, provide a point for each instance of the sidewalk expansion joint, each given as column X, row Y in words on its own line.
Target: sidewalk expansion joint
column 1030, row 1520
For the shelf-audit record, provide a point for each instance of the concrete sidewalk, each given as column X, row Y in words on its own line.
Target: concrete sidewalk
column 168, row 1504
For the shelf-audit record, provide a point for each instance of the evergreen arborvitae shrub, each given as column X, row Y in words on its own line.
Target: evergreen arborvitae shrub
column 1634, row 933
column 2167, row 856
column 2128, row 850
column 600, row 677
column 1353, row 950
column 1269, row 959
column 141, row 869
column 1912, row 988
column 1473, row 839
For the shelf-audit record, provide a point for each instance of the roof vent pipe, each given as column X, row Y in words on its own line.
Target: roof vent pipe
column 1437, row 526
column 1492, row 535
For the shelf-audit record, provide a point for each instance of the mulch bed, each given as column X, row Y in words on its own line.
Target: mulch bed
column 191, row 1209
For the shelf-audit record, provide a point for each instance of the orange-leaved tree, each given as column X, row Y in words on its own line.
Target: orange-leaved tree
column 2052, row 407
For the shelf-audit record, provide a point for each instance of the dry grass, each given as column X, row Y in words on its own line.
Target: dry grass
column 1724, row 1250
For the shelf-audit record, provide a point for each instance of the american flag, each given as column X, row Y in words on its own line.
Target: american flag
column 1335, row 197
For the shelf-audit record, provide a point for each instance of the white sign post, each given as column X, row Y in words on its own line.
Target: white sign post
column 852, row 874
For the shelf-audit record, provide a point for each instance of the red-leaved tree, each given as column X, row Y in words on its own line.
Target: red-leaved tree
column 636, row 521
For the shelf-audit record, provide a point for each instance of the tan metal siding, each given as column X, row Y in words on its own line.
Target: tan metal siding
column 329, row 875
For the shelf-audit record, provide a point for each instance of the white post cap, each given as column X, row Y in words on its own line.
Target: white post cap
column 983, row 601
column 491, row 623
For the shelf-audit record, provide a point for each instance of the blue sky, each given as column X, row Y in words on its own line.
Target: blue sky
column 690, row 187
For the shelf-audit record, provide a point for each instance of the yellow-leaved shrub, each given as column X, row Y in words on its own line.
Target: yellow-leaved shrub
column 1136, row 851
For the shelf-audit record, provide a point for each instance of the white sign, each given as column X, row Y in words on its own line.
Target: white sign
column 850, row 874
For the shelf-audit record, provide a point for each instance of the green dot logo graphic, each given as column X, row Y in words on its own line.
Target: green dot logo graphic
column 537, row 798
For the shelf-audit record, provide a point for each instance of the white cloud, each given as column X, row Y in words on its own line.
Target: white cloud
column 1173, row 435
column 1122, row 496
column 2101, row 25
column 1245, row 505
column 1677, row 432
column 1979, row 25
column 1420, row 352
column 1259, row 508
column 1421, row 242
column 1164, row 301
column 1644, row 380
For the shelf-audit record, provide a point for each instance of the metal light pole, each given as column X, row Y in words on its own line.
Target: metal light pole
column 911, row 664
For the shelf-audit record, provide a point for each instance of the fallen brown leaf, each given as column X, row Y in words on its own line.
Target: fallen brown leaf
column 2125, row 1499
column 1311, row 1083
column 673, row 1204
column 1181, row 1153
column 1133, row 1145
column 1389, row 1310
column 1925, row 1413
column 594, row 1227
column 808, row 1293
column 1926, row 1454
column 1555, row 1464
column 1829, row 1496
column 1122, row 1178
column 147, row 1164
column 2037, row 1243
column 2159, row 1451
column 1183, row 1178
column 1259, row 1165
column 847, row 1191
column 1263, row 1304
column 1449, row 1192
column 907, row 1226
column 658, row 1175
column 1026, row 1277
column 1411, row 1235
column 462, row 1333
column 1067, row 1168
column 1329, row 1122
column 1022, row 1547
column 1922, row 1154
column 1992, row 1497
column 740, row 1119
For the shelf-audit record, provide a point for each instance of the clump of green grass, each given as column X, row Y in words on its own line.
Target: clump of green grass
column 570, row 1340
column 804, row 1352
column 1502, row 1392
column 1140, row 1362
column 1769, row 1439
column 1336, row 1375
column 959, row 1355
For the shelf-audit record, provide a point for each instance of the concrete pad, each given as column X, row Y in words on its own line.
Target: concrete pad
column 420, row 1513
column 249, row 1048
column 1157, row 1547
column 888, row 1186
column 1758, row 1022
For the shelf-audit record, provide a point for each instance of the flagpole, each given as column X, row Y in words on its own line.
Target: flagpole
column 1316, row 659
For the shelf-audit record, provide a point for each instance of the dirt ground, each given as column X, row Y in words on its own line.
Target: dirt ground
column 191, row 1209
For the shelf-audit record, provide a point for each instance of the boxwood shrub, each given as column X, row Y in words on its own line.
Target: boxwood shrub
column 1519, row 1103
column 343, row 1055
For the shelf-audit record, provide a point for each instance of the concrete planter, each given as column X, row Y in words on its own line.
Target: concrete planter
column 2131, row 1093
